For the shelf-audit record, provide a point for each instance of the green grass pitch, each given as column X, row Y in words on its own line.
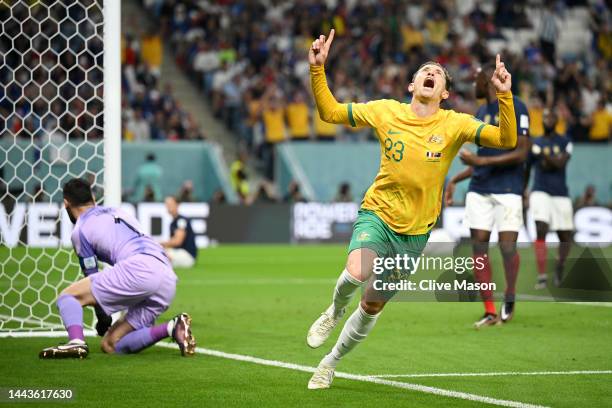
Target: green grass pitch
column 260, row 300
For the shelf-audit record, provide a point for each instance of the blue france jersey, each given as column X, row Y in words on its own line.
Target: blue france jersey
column 189, row 243
column 500, row 179
column 549, row 180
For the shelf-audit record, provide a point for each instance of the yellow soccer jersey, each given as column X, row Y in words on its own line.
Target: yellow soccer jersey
column 415, row 156
column 415, row 152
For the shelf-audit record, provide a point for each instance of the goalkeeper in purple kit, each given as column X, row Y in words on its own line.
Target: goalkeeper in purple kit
column 140, row 280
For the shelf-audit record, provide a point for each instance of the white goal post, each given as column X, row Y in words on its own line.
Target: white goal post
column 60, row 117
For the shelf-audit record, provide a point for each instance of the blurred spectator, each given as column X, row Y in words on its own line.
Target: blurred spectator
column 149, row 194
column 436, row 27
column 272, row 113
column 185, row 194
column 587, row 199
column 601, row 123
column 273, row 118
column 239, row 177
column 152, row 51
column 344, row 194
column 138, row 127
column 232, row 104
column 147, row 186
column 219, row 197
column 205, row 62
column 294, row 195
column 264, row 194
column 298, row 117
column 412, row 37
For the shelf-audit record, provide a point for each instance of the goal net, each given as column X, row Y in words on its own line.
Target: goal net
column 51, row 129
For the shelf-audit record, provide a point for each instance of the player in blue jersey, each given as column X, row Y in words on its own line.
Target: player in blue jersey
column 495, row 197
column 181, row 247
column 550, row 204
column 139, row 279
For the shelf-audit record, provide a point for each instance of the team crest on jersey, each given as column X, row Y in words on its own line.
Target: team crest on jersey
column 438, row 139
column 364, row 236
column 433, row 156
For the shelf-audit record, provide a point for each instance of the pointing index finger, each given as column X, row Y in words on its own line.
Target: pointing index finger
column 497, row 60
column 330, row 38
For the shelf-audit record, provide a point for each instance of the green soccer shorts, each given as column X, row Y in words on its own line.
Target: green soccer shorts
column 371, row 232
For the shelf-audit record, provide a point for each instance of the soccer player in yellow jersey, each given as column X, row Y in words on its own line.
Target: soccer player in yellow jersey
column 418, row 142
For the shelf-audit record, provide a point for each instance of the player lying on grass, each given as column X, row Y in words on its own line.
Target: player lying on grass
column 139, row 279
column 495, row 198
column 418, row 143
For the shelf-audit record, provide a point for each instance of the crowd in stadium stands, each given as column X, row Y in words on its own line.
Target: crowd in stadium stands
column 38, row 45
column 249, row 57
column 150, row 111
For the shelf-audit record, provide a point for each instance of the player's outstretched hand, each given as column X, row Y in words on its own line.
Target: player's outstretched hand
column 320, row 48
column 501, row 79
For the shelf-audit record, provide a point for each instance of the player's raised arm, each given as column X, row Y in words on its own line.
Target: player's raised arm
column 505, row 136
column 329, row 109
column 353, row 114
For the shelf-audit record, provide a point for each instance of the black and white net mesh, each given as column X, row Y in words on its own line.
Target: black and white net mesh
column 51, row 107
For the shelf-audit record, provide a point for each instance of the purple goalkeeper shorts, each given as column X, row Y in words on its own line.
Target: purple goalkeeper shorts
column 142, row 284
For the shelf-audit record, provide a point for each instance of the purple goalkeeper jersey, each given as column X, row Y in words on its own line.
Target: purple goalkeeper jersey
column 110, row 235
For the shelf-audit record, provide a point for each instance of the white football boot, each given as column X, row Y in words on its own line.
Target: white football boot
column 322, row 377
column 322, row 327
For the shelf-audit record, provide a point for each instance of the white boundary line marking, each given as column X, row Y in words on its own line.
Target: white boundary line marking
column 407, row 386
column 598, row 304
column 375, row 379
column 494, row 374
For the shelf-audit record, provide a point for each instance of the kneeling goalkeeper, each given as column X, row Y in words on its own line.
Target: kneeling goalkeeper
column 139, row 279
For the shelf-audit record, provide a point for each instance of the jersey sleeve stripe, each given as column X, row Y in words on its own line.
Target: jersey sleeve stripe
column 350, row 115
column 477, row 138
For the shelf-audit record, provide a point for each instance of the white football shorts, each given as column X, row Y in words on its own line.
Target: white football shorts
column 483, row 211
column 180, row 258
column 556, row 211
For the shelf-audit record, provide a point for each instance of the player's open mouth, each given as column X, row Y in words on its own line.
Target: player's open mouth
column 429, row 83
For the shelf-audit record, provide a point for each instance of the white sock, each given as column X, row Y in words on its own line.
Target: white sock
column 345, row 289
column 355, row 330
column 170, row 327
